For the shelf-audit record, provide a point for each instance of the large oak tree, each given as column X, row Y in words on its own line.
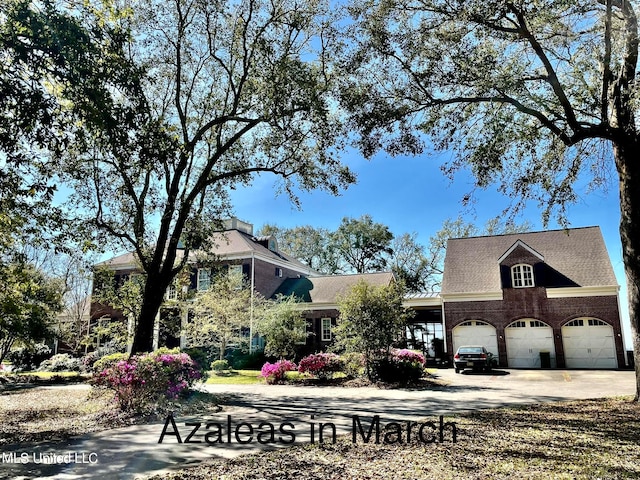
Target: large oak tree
column 530, row 94
column 171, row 104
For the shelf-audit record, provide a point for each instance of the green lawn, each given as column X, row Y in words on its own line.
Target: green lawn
column 237, row 377
column 43, row 375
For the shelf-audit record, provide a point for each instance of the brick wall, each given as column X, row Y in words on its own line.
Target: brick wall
column 266, row 280
column 314, row 326
column 533, row 303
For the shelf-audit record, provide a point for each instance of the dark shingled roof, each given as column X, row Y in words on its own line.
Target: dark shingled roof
column 579, row 254
column 231, row 243
column 327, row 289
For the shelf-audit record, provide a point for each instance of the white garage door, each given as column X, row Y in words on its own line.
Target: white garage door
column 589, row 343
column 475, row 332
column 525, row 340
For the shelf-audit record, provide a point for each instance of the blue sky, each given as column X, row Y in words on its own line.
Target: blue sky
column 410, row 194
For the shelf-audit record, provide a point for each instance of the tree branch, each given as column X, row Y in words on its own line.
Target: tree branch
column 551, row 73
column 178, row 78
column 543, row 119
column 606, row 74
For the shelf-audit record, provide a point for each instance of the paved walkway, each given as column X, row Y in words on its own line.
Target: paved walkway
column 296, row 415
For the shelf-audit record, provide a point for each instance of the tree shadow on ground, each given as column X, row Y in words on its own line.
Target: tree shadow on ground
column 490, row 373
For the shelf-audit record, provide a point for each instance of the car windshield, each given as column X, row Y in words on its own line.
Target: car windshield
column 470, row 350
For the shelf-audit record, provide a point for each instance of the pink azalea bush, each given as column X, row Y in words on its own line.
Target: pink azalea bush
column 144, row 380
column 404, row 355
column 398, row 366
column 321, row 365
column 274, row 372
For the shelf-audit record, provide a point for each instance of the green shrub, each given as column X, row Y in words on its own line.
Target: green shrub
column 352, row 364
column 62, row 362
column 200, row 356
column 166, row 350
column 108, row 361
column 92, row 357
column 220, row 365
column 242, row 360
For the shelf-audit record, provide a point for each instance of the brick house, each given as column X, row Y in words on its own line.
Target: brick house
column 540, row 299
column 264, row 266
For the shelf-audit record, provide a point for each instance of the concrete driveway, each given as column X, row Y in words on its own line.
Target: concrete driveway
column 297, row 414
column 466, row 391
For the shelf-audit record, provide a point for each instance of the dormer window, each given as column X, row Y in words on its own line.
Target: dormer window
column 522, row 276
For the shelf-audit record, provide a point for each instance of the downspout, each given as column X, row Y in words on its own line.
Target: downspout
column 624, row 340
column 253, row 281
column 444, row 328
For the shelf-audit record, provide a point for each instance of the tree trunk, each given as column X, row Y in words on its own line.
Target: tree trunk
column 154, row 290
column 626, row 156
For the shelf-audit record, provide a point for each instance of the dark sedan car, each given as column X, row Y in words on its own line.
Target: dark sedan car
column 475, row 357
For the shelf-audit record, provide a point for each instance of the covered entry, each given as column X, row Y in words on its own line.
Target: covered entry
column 589, row 343
column 476, row 332
column 525, row 340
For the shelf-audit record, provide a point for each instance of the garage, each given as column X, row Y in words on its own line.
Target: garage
column 476, row 332
column 589, row 343
column 525, row 340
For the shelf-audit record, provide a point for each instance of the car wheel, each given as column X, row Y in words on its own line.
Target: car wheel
column 457, row 370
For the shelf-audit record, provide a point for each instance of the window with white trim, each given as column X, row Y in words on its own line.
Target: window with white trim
column 325, row 328
column 522, row 275
column 204, row 279
column 172, row 292
column 235, row 270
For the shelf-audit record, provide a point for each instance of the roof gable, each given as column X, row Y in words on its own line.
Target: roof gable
column 520, row 245
column 578, row 255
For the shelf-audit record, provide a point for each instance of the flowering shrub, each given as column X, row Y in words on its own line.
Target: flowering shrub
column 400, row 366
column 274, row 372
column 405, row 355
column 89, row 360
column 144, row 380
column 28, row 358
column 321, row 365
column 62, row 362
